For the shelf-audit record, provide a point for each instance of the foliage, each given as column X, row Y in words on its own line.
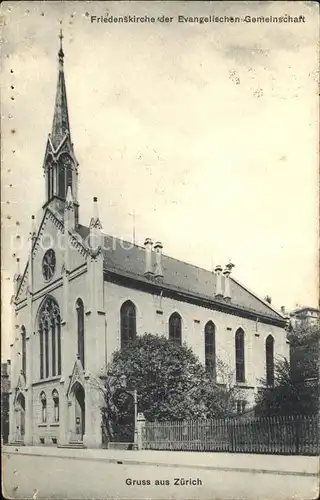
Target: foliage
column 171, row 384
column 296, row 387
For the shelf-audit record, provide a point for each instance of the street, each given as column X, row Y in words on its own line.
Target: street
column 53, row 477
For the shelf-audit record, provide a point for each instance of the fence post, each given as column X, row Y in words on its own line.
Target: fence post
column 141, row 422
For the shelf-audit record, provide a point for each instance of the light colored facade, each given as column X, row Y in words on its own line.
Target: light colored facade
column 82, row 293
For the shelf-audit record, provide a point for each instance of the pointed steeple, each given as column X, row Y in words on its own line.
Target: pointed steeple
column 60, row 126
column 60, row 164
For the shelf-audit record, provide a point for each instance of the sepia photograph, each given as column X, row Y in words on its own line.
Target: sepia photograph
column 160, row 311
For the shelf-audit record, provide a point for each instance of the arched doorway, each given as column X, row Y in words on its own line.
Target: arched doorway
column 79, row 413
column 20, row 416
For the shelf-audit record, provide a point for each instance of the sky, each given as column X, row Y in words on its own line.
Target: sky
column 207, row 132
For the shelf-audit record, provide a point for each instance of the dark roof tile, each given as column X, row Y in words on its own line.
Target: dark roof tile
column 129, row 259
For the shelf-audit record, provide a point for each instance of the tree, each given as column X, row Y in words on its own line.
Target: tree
column 171, row 383
column 296, row 386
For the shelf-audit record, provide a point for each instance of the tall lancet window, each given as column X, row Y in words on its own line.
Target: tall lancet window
column 239, row 352
column 80, row 326
column 43, row 400
column 24, row 351
column 55, row 397
column 61, row 181
column 50, row 180
column 270, row 360
column 46, row 348
column 175, row 328
column 53, row 349
column 49, row 328
column 128, row 322
column 210, row 348
column 65, row 174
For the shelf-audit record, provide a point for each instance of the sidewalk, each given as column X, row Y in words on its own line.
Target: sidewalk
column 237, row 462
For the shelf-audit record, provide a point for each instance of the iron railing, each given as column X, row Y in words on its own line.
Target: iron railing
column 297, row 435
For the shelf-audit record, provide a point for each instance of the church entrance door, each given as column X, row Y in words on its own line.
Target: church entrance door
column 79, row 399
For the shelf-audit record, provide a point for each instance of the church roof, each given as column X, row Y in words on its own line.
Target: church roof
column 128, row 260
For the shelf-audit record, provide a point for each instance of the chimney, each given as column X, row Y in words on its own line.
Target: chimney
column 158, row 249
column 218, row 271
column 148, row 248
column 227, row 272
column 283, row 310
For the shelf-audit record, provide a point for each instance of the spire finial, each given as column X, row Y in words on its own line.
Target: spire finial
column 61, row 54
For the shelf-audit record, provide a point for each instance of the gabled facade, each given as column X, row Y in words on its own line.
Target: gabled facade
column 84, row 294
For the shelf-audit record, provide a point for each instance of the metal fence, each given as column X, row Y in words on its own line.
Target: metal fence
column 272, row 435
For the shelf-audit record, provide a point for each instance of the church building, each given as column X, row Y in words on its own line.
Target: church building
column 83, row 294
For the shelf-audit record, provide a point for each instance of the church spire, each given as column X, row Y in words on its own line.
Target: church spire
column 60, row 164
column 60, row 126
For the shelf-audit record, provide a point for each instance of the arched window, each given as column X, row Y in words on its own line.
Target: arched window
column 239, row 349
column 49, row 327
column 43, row 407
column 270, row 360
column 50, row 185
column 175, row 328
column 53, row 347
column 80, row 328
column 64, row 174
column 24, row 351
column 128, row 322
column 55, row 397
column 49, row 182
column 210, row 348
column 61, row 180
column 41, row 351
column 46, row 348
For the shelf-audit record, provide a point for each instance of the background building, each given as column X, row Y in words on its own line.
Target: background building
column 304, row 316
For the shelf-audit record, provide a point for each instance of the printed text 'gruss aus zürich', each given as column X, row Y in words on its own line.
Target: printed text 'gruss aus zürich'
column 109, row 18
